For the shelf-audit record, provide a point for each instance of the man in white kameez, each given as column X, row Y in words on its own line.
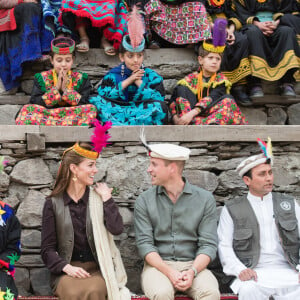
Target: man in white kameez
column 259, row 237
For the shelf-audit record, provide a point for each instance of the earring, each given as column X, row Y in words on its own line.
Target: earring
column 74, row 178
column 122, row 69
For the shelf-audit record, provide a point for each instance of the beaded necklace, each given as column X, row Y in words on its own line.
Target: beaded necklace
column 200, row 84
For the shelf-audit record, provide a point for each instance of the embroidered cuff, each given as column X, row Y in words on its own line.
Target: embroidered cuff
column 237, row 23
column 277, row 16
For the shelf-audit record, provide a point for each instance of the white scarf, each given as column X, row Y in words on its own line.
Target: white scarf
column 109, row 257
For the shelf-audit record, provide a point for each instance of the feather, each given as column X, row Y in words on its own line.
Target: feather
column 136, row 27
column 143, row 138
column 3, row 163
column 100, row 136
column 263, row 146
column 269, row 147
column 219, row 32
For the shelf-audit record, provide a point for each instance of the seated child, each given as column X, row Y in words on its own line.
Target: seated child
column 10, row 233
column 202, row 98
column 59, row 96
column 131, row 94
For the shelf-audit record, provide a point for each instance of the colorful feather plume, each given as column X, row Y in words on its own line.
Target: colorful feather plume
column 3, row 163
column 219, row 32
column 136, row 27
column 266, row 148
column 100, row 136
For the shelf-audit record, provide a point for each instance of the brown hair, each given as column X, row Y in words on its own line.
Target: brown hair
column 180, row 164
column 64, row 174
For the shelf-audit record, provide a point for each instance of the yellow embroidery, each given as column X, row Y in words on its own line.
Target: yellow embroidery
column 261, row 69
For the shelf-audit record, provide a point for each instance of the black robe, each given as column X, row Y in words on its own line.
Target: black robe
column 272, row 57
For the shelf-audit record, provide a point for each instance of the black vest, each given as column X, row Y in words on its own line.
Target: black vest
column 246, row 229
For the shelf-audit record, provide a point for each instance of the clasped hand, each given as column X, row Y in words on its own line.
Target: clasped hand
column 267, row 27
column 62, row 81
column 181, row 280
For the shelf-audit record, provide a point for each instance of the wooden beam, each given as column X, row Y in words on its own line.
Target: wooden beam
column 166, row 133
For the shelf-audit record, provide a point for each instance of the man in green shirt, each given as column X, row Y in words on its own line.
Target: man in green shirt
column 176, row 230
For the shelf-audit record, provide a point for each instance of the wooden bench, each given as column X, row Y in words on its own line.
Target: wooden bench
column 179, row 297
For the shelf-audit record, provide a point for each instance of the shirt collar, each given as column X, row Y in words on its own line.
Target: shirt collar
column 187, row 189
column 267, row 197
column 84, row 198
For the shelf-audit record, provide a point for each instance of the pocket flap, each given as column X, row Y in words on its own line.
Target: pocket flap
column 288, row 225
column 242, row 234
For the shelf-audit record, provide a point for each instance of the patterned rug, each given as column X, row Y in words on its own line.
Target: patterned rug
column 223, row 297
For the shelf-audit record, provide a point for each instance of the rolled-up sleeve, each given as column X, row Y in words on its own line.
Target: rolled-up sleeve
column 207, row 230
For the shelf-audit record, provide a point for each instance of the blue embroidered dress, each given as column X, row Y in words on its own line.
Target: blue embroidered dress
column 143, row 105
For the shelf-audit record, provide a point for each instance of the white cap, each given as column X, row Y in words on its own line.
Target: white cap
column 251, row 162
column 169, row 151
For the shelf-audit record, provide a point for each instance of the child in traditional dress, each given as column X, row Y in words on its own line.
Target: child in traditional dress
column 202, row 98
column 60, row 95
column 131, row 94
column 10, row 250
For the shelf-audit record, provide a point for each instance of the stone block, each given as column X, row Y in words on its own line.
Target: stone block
column 201, row 162
column 22, row 281
column 30, row 210
column 26, row 86
column 169, row 85
column 31, row 172
column 276, row 116
column 18, row 190
column 8, row 113
column 255, row 116
column 40, row 281
column 13, row 201
column 204, row 179
column 229, row 164
column 30, row 261
column 31, row 238
column 4, row 181
column 127, row 215
column 294, row 114
column 35, row 142
column 231, row 180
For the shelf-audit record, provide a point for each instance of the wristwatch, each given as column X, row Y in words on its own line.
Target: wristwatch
column 195, row 271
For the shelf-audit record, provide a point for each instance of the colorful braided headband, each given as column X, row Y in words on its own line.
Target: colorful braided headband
column 126, row 44
column 211, row 48
column 82, row 152
column 62, row 45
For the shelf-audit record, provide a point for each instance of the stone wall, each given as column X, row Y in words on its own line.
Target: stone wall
column 29, row 176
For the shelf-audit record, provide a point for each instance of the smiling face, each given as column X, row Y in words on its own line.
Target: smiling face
column 85, row 171
column 62, row 62
column 160, row 171
column 210, row 63
column 261, row 182
column 132, row 60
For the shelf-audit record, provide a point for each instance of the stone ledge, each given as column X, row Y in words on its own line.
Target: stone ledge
column 166, row 133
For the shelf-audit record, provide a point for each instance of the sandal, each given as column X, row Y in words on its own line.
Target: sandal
column 110, row 50
column 84, row 45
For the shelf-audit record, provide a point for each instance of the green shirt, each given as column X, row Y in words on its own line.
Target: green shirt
column 179, row 231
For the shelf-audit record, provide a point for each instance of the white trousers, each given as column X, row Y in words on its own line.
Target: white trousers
column 251, row 290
